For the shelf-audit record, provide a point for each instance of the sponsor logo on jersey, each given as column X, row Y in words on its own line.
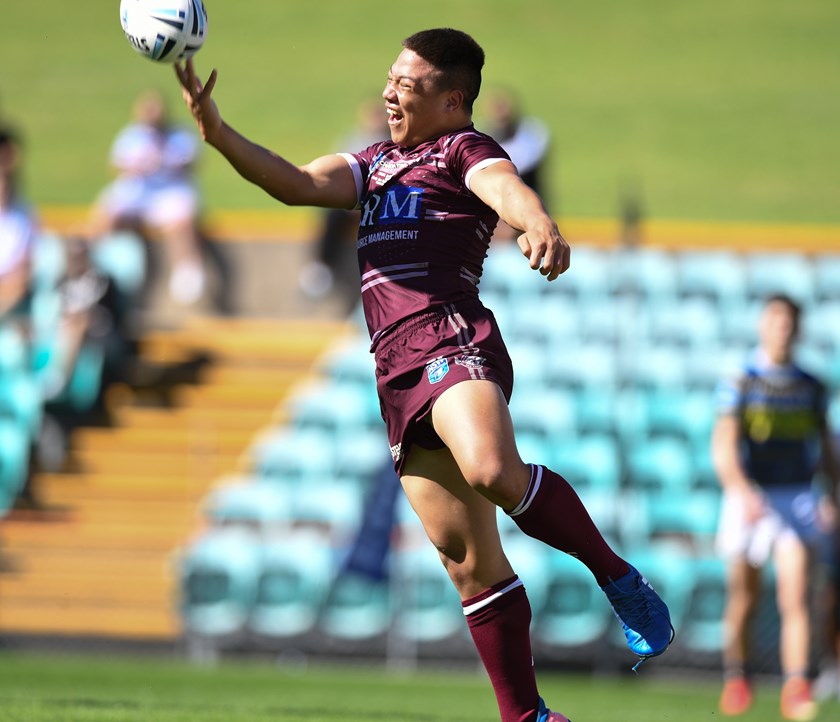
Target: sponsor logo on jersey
column 437, row 369
column 400, row 204
column 470, row 362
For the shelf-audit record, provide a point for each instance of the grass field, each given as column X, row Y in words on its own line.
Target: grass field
column 714, row 110
column 42, row 688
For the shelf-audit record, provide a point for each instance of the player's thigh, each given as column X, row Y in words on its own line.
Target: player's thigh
column 458, row 521
column 473, row 420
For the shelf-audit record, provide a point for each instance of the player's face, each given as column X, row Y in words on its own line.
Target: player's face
column 417, row 108
column 777, row 330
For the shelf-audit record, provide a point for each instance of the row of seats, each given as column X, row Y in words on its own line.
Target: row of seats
column 238, row 588
column 616, row 369
column 726, row 277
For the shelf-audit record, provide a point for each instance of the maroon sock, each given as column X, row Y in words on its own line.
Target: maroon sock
column 499, row 620
column 552, row 512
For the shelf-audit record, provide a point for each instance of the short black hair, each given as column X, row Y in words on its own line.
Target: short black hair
column 457, row 56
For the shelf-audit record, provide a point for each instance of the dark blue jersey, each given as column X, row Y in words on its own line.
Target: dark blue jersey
column 781, row 410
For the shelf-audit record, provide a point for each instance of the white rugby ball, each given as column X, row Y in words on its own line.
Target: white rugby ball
column 166, row 31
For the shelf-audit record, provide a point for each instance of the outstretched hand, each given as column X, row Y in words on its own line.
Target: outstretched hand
column 545, row 250
column 198, row 99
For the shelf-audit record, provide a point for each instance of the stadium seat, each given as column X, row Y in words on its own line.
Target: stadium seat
column 660, row 463
column 328, row 503
column 770, row 273
column 288, row 455
column 689, row 516
column 648, row 273
column 334, row 406
column 14, row 462
column 580, row 366
column 427, row 607
column 653, row 366
column 49, row 259
column 702, row 631
column 356, row 609
column 218, row 584
column 687, row 414
column 714, row 275
column 589, row 278
column 546, row 412
column 248, row 503
column 693, row 322
column 827, row 278
column 296, row 571
column 821, row 326
column 596, row 411
column 590, row 462
column 705, row 368
column 361, row 452
column 122, row 257
column 350, row 362
column 576, row 612
column 14, row 353
column 603, row 320
column 555, row 317
column 506, row 272
column 21, row 400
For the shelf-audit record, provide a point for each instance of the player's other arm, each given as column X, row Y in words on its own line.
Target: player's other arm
column 501, row 188
column 326, row 181
column 726, row 438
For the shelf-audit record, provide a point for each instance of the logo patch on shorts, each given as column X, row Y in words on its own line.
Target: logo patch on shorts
column 437, row 369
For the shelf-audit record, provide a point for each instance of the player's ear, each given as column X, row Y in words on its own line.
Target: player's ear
column 455, row 100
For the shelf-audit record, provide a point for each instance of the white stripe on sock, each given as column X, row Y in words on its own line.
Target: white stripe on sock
column 533, row 488
column 472, row 608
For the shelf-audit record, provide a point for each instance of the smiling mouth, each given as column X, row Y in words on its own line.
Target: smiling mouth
column 394, row 116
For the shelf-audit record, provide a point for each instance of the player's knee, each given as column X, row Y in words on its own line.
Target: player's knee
column 496, row 480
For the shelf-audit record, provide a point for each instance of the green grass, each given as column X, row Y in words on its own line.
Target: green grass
column 50, row 688
column 714, row 110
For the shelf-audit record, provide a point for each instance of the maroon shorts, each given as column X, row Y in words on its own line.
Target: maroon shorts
column 420, row 359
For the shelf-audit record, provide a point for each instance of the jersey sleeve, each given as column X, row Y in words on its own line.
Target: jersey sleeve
column 729, row 395
column 361, row 164
column 470, row 152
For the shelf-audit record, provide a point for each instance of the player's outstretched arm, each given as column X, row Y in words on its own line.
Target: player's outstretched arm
column 326, row 181
column 501, row 188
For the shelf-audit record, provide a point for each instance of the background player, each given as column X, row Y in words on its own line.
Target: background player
column 767, row 445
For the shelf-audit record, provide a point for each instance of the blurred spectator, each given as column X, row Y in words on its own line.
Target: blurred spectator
column 525, row 139
column 767, row 445
column 84, row 355
column 154, row 193
column 17, row 229
column 333, row 264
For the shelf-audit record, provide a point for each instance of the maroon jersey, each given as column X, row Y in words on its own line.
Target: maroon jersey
column 423, row 235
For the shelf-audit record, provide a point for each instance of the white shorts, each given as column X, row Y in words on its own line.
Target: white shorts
column 153, row 203
column 790, row 513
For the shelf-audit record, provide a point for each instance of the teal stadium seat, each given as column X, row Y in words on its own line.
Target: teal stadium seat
column 648, row 273
column 49, row 260
column 575, row 613
column 335, row 406
column 288, row 455
column 821, row 325
column 546, row 412
column 588, row 280
column 427, row 607
column 688, row 516
column 660, row 464
column 789, row 273
column 827, row 278
column 357, row 610
column 590, row 462
column 14, row 463
column 248, row 503
column 654, row 366
column 350, row 362
column 587, row 365
column 14, row 352
column 716, row 275
column 554, row 318
column 694, row 322
column 122, row 256
column 21, row 400
column 507, row 273
column 218, row 576
column 702, row 632
column 687, row 414
column 296, row 571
